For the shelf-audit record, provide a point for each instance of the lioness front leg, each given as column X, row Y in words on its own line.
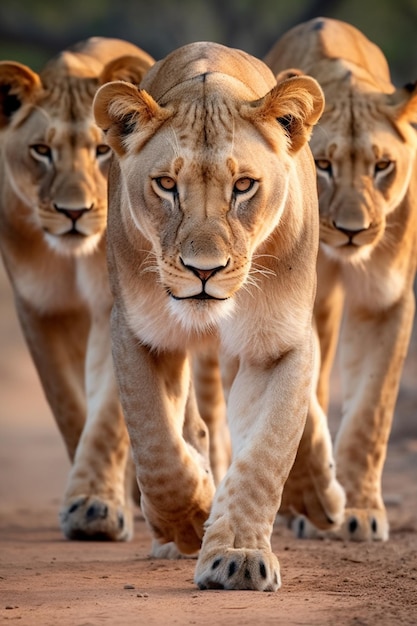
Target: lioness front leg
column 174, row 477
column 373, row 353
column 78, row 360
column 267, row 411
column 97, row 502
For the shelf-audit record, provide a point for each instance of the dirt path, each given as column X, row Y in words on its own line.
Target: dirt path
column 46, row 580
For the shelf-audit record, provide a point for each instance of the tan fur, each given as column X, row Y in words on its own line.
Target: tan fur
column 208, row 123
column 365, row 152
column 53, row 178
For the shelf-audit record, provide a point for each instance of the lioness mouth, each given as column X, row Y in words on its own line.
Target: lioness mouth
column 199, row 296
column 74, row 231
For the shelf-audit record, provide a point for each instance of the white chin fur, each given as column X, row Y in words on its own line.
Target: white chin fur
column 73, row 246
column 352, row 256
column 199, row 316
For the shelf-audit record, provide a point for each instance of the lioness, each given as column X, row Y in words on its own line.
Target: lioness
column 365, row 154
column 53, row 208
column 213, row 232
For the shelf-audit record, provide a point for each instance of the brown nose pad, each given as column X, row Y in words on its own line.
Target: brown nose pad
column 350, row 234
column 204, row 274
column 73, row 214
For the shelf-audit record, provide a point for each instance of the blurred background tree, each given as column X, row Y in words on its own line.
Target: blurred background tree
column 31, row 31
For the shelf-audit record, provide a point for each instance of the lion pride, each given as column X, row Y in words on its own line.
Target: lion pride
column 53, row 209
column 213, row 235
column 365, row 153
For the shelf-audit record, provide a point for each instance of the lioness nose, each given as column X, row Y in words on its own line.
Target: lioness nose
column 349, row 232
column 73, row 214
column 204, row 274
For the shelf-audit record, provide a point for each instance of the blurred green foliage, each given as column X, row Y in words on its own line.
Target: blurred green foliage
column 31, row 31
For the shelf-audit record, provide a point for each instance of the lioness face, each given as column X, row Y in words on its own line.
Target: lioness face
column 205, row 191
column 364, row 158
column 57, row 161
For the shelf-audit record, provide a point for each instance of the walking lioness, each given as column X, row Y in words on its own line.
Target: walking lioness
column 365, row 154
column 213, row 231
column 53, row 209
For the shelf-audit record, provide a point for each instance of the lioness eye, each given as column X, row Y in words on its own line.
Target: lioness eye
column 42, row 150
column 243, row 185
column 102, row 150
column 166, row 183
column 383, row 165
column 324, row 165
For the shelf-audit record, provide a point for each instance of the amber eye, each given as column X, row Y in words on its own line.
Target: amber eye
column 243, row 185
column 102, row 150
column 324, row 165
column 41, row 149
column 166, row 183
column 383, row 165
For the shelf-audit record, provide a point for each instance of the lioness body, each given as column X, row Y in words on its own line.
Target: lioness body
column 53, row 209
column 365, row 153
column 213, row 233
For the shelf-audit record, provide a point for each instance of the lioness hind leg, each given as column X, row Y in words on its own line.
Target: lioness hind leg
column 312, row 489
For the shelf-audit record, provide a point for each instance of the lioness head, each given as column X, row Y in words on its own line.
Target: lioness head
column 205, row 165
column 364, row 152
column 55, row 156
column 365, row 145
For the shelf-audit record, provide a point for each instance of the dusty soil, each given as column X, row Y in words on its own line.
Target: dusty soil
column 46, row 580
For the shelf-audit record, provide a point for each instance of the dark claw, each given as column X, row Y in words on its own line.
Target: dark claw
column 216, row 564
column 374, row 525
column 262, row 569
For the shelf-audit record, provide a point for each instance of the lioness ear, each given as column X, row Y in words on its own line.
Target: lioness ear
column 402, row 103
column 289, row 73
column 121, row 108
column 296, row 104
column 18, row 84
column 128, row 68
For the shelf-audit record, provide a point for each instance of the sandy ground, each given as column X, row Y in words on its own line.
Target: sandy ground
column 46, row 580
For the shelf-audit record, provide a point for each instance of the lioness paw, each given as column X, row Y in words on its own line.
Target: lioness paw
column 357, row 525
column 95, row 519
column 322, row 503
column 257, row 570
column 364, row 525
